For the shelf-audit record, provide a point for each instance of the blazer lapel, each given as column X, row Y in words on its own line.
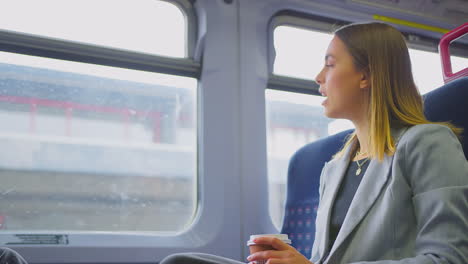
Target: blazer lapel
column 367, row 193
column 335, row 173
column 374, row 179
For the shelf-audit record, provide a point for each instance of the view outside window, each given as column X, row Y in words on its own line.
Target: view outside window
column 141, row 26
column 96, row 148
column 427, row 69
column 300, row 53
column 293, row 119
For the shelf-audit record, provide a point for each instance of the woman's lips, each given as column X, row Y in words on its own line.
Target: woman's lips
column 324, row 102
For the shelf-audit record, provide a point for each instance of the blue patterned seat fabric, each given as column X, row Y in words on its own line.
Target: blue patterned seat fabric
column 447, row 103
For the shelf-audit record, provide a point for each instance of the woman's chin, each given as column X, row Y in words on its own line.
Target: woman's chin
column 330, row 114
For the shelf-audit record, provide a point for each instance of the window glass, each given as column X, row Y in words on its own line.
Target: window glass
column 459, row 63
column 427, row 69
column 151, row 26
column 300, row 53
column 293, row 120
column 95, row 148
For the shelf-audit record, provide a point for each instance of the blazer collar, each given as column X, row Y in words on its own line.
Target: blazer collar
column 335, row 170
column 367, row 193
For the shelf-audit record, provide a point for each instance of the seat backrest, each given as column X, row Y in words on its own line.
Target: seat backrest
column 302, row 190
column 447, row 103
column 450, row 103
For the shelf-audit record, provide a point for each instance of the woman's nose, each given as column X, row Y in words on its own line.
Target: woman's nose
column 318, row 78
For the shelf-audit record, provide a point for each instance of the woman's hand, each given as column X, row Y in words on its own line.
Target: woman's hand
column 283, row 253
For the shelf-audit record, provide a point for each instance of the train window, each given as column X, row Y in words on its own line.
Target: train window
column 427, row 69
column 459, row 63
column 98, row 148
column 139, row 26
column 299, row 52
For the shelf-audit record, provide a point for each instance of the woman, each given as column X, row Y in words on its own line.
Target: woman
column 397, row 193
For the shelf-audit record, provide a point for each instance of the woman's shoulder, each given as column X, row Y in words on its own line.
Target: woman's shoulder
column 425, row 132
column 425, row 137
column 431, row 157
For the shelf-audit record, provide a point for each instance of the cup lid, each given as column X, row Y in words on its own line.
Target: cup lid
column 282, row 237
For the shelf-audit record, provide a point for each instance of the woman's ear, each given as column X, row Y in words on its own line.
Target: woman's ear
column 365, row 81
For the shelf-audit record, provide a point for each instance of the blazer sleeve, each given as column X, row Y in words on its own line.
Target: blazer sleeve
column 437, row 172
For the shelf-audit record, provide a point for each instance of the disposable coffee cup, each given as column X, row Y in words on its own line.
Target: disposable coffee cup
column 259, row 247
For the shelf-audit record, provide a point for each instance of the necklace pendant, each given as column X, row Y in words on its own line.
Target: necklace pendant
column 358, row 171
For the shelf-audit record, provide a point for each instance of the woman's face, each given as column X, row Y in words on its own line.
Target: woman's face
column 342, row 84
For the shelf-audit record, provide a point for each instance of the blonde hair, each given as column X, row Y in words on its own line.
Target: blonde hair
column 380, row 51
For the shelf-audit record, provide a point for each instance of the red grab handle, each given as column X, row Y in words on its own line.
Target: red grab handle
column 445, row 54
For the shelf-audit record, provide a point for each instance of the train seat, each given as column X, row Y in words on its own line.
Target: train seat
column 447, row 103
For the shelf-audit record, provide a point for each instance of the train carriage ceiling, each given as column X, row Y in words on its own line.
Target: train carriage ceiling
column 431, row 18
column 449, row 11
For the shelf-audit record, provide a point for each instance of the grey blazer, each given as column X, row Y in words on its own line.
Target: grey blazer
column 411, row 208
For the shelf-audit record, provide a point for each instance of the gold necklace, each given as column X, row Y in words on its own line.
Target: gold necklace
column 359, row 153
column 358, row 171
